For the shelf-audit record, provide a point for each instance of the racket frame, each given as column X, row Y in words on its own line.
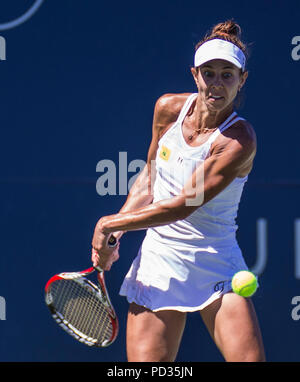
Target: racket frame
column 100, row 292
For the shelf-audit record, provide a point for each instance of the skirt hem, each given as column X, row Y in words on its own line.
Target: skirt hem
column 179, row 308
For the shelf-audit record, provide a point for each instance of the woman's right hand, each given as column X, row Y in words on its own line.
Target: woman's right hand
column 105, row 260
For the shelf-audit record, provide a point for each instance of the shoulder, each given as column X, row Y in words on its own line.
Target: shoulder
column 171, row 103
column 235, row 148
column 167, row 109
column 239, row 138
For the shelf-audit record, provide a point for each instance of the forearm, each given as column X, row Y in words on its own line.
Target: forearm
column 136, row 199
column 156, row 214
column 140, row 195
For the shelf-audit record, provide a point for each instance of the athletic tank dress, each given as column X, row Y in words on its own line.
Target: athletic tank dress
column 188, row 264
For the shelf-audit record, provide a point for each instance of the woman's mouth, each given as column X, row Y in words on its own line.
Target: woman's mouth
column 215, row 98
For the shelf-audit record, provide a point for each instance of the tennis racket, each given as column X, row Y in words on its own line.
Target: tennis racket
column 82, row 308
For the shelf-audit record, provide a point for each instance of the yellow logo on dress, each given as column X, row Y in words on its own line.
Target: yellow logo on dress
column 165, row 153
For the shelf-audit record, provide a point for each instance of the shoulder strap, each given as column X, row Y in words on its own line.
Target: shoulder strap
column 186, row 107
column 228, row 122
column 223, row 128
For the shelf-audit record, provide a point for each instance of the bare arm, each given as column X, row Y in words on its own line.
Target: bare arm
column 140, row 197
column 166, row 112
column 230, row 158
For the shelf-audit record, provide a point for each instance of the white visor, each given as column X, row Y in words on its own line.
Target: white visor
column 220, row 49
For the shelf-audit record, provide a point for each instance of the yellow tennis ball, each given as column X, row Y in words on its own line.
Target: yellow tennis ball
column 244, row 283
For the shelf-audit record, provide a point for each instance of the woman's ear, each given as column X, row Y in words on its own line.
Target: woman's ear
column 243, row 80
column 194, row 72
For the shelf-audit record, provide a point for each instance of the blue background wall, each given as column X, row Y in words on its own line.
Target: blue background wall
column 79, row 85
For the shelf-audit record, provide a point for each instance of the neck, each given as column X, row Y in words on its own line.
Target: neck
column 206, row 119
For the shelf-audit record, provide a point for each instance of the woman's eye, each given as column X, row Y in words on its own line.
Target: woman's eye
column 227, row 75
column 208, row 73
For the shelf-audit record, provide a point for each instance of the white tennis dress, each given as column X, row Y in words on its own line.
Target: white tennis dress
column 187, row 264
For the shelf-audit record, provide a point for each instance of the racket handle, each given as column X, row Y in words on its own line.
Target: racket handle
column 98, row 269
column 112, row 241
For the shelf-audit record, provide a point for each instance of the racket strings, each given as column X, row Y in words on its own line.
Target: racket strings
column 88, row 316
column 81, row 308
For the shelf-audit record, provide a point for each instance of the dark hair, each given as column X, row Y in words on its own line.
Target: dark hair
column 228, row 31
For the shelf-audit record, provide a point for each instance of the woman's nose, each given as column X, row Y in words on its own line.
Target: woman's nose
column 217, row 82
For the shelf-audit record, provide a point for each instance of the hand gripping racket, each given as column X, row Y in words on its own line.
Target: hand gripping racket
column 81, row 308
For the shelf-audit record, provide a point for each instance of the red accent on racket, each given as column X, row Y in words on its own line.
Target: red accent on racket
column 82, row 308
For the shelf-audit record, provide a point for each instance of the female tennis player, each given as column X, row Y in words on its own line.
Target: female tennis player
column 203, row 152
